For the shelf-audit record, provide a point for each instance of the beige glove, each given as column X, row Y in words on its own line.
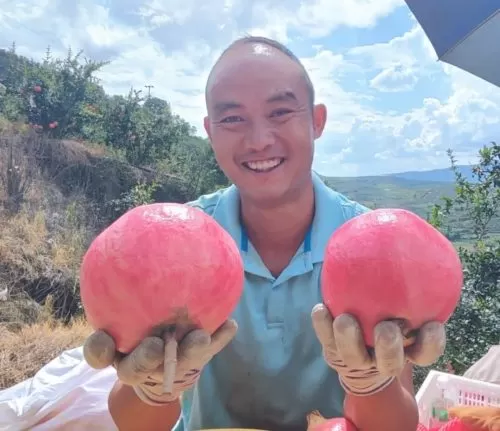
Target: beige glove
column 143, row 367
column 362, row 373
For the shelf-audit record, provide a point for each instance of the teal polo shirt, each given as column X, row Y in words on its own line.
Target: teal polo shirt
column 272, row 375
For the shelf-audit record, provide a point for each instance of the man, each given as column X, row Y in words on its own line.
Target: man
column 282, row 356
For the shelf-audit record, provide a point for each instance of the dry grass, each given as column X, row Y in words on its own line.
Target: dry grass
column 23, row 352
column 19, row 310
column 32, row 250
column 36, row 244
column 44, row 236
column 23, row 243
column 42, row 245
column 42, row 242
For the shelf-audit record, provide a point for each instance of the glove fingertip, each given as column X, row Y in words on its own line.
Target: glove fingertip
column 229, row 328
column 430, row 344
column 99, row 350
column 321, row 316
column 319, row 308
column 150, row 353
column 195, row 339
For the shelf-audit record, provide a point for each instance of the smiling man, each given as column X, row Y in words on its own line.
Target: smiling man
column 282, row 355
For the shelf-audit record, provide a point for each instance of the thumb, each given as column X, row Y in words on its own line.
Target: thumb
column 322, row 322
column 223, row 336
column 199, row 345
column 99, row 350
column 429, row 345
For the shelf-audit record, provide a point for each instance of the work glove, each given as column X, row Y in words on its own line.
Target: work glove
column 143, row 368
column 364, row 371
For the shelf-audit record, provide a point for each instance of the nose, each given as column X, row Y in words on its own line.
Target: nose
column 259, row 136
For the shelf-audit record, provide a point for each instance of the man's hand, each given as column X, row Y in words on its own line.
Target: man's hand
column 143, row 367
column 363, row 372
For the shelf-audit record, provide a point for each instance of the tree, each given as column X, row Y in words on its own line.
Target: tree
column 193, row 160
column 475, row 325
column 144, row 132
column 50, row 95
column 63, row 99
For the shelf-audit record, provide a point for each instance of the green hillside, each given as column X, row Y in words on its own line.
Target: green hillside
column 382, row 191
column 414, row 195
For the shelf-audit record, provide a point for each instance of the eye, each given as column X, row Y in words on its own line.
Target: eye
column 280, row 112
column 232, row 119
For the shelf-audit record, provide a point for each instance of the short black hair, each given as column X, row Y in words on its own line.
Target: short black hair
column 280, row 47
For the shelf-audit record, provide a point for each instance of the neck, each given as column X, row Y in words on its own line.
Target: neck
column 282, row 226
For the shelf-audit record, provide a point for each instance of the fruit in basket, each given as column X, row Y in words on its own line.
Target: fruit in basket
column 391, row 264
column 456, row 425
column 160, row 267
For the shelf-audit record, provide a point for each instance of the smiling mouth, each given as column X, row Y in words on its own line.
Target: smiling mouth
column 264, row 165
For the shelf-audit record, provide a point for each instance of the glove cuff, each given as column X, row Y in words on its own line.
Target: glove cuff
column 360, row 388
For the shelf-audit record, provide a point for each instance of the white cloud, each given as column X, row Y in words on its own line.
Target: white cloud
column 325, row 69
column 395, row 79
column 397, row 64
column 467, row 118
column 321, row 17
column 391, row 105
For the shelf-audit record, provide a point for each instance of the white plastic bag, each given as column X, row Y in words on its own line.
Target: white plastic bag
column 66, row 394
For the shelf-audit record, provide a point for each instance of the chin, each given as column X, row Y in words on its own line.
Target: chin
column 270, row 196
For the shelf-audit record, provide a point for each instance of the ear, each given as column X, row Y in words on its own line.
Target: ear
column 206, row 125
column 319, row 120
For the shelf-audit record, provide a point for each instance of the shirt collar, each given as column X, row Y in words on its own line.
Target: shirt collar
column 328, row 216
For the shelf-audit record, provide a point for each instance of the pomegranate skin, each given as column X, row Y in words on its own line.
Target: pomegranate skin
column 160, row 266
column 335, row 424
column 391, row 264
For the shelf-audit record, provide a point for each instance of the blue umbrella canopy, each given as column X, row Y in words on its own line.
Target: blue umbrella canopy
column 464, row 33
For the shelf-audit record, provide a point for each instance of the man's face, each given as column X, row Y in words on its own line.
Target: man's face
column 260, row 122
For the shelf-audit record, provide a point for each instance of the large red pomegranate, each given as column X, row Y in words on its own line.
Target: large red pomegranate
column 335, row 424
column 160, row 267
column 391, row 264
column 316, row 422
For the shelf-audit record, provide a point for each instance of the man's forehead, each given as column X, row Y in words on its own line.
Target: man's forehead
column 261, row 49
column 241, row 60
column 250, row 51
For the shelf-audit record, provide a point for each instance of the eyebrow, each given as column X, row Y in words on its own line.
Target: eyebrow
column 222, row 107
column 283, row 96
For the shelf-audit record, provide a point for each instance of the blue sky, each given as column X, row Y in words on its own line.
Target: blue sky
column 392, row 105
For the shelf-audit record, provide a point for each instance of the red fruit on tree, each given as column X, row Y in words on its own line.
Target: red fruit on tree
column 160, row 267
column 391, row 264
column 37, row 89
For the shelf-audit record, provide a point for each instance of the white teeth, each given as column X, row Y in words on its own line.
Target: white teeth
column 263, row 165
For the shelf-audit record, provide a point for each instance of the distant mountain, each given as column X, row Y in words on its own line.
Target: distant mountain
column 415, row 191
column 393, row 191
column 435, row 175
